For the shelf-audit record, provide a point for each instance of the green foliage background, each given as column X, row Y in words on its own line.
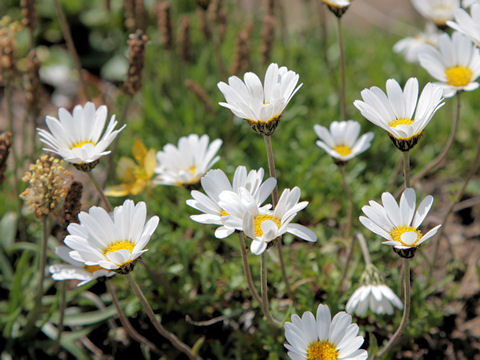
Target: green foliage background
column 204, row 276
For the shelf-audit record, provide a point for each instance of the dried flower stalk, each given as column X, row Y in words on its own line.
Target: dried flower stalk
column 72, row 205
column 130, row 18
column 33, row 85
column 47, row 185
column 268, row 34
column 5, row 144
column 29, row 14
column 164, row 23
column 201, row 94
column 203, row 24
column 8, row 46
column 136, row 62
column 241, row 57
column 186, row 51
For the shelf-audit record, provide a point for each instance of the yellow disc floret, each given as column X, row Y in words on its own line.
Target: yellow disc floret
column 82, row 143
column 259, row 219
column 402, row 121
column 224, row 213
column 397, row 232
column 458, row 75
column 119, row 245
column 342, row 150
column 322, row 350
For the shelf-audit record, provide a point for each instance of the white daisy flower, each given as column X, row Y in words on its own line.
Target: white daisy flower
column 215, row 182
column 379, row 298
column 466, row 24
column 77, row 137
column 398, row 224
column 76, row 270
column 310, row 338
column 469, row 3
column 186, row 164
column 456, row 63
column 113, row 241
column 437, row 11
column 394, row 111
column 410, row 46
column 260, row 105
column 373, row 294
column 261, row 224
column 338, row 7
column 341, row 142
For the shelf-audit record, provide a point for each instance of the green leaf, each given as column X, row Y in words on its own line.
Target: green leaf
column 8, row 229
column 68, row 340
column 86, row 318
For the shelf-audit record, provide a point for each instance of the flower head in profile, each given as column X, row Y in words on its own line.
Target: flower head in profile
column 75, row 270
column 112, row 241
column 338, row 7
column 263, row 225
column 214, row 183
column 398, row 223
column 185, row 164
column 341, row 142
column 402, row 114
column 261, row 106
column 410, row 46
column 77, row 137
column 456, row 63
column 135, row 176
column 437, row 11
column 468, row 24
column 373, row 294
column 320, row 338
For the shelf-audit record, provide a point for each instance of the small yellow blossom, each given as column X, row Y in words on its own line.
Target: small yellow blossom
column 135, row 176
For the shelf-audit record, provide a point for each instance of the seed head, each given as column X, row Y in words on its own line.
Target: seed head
column 47, row 185
column 29, row 14
column 268, row 33
column 241, row 57
column 186, row 51
column 136, row 43
column 5, row 143
column 200, row 93
column 164, row 23
column 33, row 86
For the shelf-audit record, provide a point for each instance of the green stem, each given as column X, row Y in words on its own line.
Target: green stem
column 272, row 171
column 125, row 323
column 71, row 47
column 61, row 286
column 458, row 197
column 451, row 139
column 100, row 192
column 176, row 342
column 246, row 269
column 343, row 105
column 264, row 288
column 406, row 168
column 406, row 311
column 364, row 247
column 348, row 191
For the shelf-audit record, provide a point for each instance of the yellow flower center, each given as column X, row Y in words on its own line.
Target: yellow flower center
column 322, row 350
column 397, row 233
column 81, row 143
column 402, row 121
column 92, row 268
column 259, row 219
column 342, row 150
column 119, row 245
column 458, row 75
column 224, row 213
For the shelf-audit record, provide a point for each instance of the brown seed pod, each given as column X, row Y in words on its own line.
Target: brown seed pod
column 137, row 43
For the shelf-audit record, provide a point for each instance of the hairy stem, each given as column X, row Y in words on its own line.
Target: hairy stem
column 458, row 196
column 71, row 47
column 246, row 269
column 451, row 139
column 406, row 311
column 406, row 168
column 343, row 105
column 176, row 342
column 364, row 247
column 124, row 320
column 272, row 171
column 108, row 206
column 264, row 288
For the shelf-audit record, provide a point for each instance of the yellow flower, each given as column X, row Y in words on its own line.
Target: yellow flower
column 135, row 176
